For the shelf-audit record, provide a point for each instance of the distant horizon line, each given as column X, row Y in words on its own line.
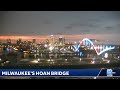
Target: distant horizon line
column 43, row 37
column 110, row 37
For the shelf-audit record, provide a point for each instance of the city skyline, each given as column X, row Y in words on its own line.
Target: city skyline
column 68, row 38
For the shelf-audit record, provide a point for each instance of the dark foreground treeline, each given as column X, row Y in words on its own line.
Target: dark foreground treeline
column 83, row 66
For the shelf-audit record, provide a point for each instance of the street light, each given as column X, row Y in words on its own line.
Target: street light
column 45, row 45
column 38, row 60
column 106, row 55
column 80, row 59
column 65, row 59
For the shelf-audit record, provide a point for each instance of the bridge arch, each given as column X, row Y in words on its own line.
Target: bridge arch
column 98, row 53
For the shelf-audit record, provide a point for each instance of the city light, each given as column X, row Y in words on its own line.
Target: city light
column 38, row 59
column 75, row 42
column 80, row 59
column 65, row 59
column 106, row 55
column 52, row 60
column 108, row 61
column 51, row 48
column 92, row 62
column 48, row 60
column 118, row 56
column 45, row 45
column 35, row 61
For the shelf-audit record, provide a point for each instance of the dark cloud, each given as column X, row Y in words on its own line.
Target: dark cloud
column 85, row 31
column 78, row 24
column 109, row 27
column 118, row 26
column 94, row 20
column 68, row 27
column 49, row 22
column 81, row 25
column 93, row 25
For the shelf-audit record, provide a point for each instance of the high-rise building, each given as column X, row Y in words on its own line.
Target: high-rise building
column 34, row 40
column 19, row 41
column 8, row 41
column 61, row 40
column 47, row 41
column 52, row 40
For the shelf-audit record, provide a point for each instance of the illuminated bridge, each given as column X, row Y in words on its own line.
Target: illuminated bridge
column 99, row 49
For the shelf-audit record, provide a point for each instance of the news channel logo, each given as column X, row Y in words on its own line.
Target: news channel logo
column 110, row 72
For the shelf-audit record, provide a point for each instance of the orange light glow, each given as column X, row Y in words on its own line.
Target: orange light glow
column 23, row 37
column 67, row 37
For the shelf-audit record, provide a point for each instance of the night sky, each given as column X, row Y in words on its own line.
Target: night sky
column 92, row 24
